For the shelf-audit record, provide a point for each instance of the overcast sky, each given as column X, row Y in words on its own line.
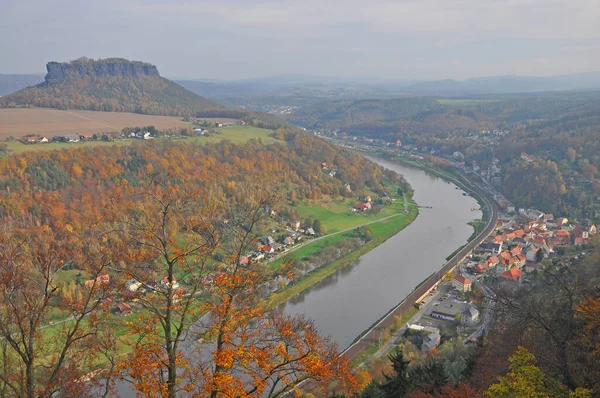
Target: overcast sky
column 230, row 39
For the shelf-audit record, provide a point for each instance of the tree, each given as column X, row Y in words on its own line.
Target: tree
column 169, row 234
column 242, row 348
column 525, row 379
column 319, row 227
column 539, row 255
column 37, row 363
column 398, row 384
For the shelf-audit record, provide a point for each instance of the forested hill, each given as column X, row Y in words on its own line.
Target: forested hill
column 114, row 85
column 85, row 177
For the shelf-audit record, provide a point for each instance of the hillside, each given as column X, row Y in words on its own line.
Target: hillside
column 113, row 85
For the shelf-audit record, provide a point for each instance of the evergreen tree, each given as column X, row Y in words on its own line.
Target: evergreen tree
column 396, row 385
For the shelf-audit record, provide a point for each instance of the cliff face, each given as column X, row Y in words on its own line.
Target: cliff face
column 59, row 71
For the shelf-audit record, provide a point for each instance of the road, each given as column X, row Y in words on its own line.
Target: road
column 293, row 249
column 429, row 302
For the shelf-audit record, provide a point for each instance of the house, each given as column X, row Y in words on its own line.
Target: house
column 461, row 283
column 367, row 199
column 323, row 165
column 548, row 217
column 531, row 254
column 294, row 224
column 199, row 130
column 363, row 206
column 579, row 241
column 270, row 241
column 288, row 241
column 133, row 285
column 99, row 281
column 217, row 124
column 479, row 269
column 164, row 283
column 86, row 137
column 520, row 260
column 31, row 138
column 310, row 231
column 592, row 230
column 66, row 138
column 244, row 260
column 494, row 260
column 580, row 232
column 266, row 249
column 43, row 139
column 124, row 308
column 432, row 340
column 516, row 250
column 469, row 316
column 492, row 247
column 520, row 233
column 513, row 274
column 534, row 214
column 562, row 234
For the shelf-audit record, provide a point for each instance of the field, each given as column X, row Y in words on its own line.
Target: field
column 463, row 102
column 49, row 122
column 235, row 134
column 337, row 215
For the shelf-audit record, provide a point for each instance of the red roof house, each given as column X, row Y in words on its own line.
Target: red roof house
column 513, row 274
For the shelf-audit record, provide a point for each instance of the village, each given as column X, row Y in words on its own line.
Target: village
column 521, row 245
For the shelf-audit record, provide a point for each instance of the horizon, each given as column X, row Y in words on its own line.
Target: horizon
column 239, row 39
column 345, row 79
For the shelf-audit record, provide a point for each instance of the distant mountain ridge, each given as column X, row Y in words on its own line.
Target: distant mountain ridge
column 112, row 84
column 508, row 84
column 9, row 83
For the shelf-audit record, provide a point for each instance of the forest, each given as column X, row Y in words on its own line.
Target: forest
column 80, row 227
column 558, row 130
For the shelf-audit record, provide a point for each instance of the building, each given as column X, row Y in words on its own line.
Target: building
column 513, row 274
column 461, row 283
column 432, row 340
column 469, row 316
column 133, row 285
column 448, row 310
column 363, row 206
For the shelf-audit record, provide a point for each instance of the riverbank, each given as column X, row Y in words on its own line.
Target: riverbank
column 372, row 339
column 381, row 230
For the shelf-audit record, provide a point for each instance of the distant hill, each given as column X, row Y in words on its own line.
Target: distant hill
column 508, row 84
column 113, row 85
column 11, row 83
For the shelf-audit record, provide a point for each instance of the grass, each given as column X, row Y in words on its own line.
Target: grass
column 382, row 231
column 236, row 134
column 337, row 215
column 374, row 346
column 463, row 102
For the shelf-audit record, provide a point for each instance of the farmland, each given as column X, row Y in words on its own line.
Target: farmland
column 50, row 122
column 17, row 122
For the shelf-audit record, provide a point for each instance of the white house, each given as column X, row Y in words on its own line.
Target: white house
column 133, row 285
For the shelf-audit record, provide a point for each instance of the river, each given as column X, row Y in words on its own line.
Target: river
column 349, row 301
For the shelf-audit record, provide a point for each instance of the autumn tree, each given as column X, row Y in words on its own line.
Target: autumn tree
column 170, row 236
column 525, row 379
column 41, row 358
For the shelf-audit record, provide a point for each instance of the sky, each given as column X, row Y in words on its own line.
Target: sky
column 235, row 39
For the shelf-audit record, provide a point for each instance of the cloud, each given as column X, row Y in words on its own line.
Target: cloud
column 540, row 19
